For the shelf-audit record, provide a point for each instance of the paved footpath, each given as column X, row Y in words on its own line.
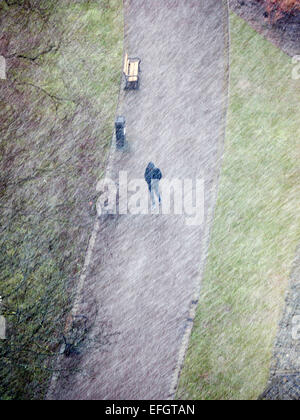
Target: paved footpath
column 145, row 271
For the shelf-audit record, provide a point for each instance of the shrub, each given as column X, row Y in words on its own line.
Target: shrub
column 276, row 9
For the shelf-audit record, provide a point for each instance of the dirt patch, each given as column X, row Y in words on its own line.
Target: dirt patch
column 284, row 383
column 283, row 388
column 285, row 33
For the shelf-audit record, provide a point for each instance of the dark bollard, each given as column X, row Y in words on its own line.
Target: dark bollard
column 120, row 132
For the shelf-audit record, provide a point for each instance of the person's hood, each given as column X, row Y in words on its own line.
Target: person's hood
column 150, row 166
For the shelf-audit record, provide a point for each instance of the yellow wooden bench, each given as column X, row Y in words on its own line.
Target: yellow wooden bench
column 132, row 72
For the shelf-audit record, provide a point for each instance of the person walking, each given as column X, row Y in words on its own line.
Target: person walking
column 152, row 176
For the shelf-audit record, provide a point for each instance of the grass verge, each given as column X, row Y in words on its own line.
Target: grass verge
column 256, row 227
column 57, row 111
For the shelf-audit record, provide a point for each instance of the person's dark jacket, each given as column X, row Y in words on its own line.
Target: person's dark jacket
column 152, row 173
column 156, row 174
column 148, row 174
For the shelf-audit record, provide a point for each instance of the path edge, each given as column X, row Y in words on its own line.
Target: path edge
column 91, row 244
column 211, row 211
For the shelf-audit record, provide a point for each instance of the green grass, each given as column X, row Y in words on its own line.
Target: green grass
column 56, row 123
column 256, row 227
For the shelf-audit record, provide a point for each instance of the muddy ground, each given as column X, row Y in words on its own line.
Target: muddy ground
column 285, row 33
